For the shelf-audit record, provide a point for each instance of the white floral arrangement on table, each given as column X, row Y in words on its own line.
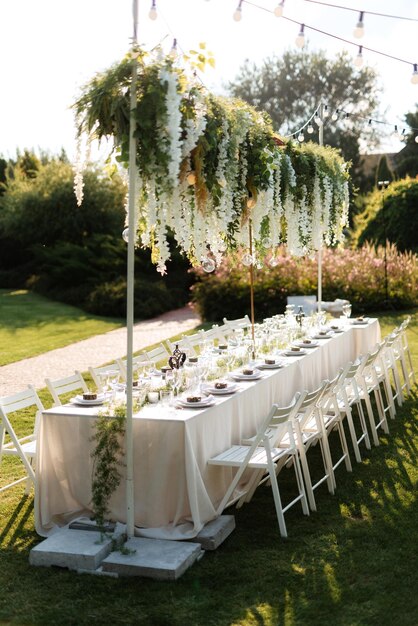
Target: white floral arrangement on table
column 208, row 166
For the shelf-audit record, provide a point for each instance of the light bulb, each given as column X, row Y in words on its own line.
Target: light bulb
column 125, row 234
column 266, row 242
column 416, row 139
column 318, row 120
column 191, row 178
column 335, row 115
column 358, row 32
column 238, row 13
column 395, row 133
column 414, row 77
column 358, row 61
column 301, row 137
column 278, row 11
column 310, row 128
column 300, row 39
column 153, row 11
column 208, row 264
column 403, row 135
column 273, row 262
column 173, row 52
column 325, row 112
column 247, row 260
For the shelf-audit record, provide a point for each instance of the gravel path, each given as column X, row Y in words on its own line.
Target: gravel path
column 93, row 352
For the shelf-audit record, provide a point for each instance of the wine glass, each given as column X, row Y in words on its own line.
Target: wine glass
column 346, row 308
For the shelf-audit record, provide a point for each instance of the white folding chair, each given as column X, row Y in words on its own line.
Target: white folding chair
column 241, row 322
column 63, row 386
column 391, row 343
column 136, row 362
column 97, row 374
column 22, row 447
column 158, row 354
column 333, row 420
column 309, row 428
column 265, row 454
column 348, row 397
column 403, row 357
column 370, row 377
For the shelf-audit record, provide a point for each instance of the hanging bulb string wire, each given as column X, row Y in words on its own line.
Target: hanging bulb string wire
column 339, row 6
column 327, row 34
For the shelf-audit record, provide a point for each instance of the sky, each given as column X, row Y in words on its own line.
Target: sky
column 50, row 48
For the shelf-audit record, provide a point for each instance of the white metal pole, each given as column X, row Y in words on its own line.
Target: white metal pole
column 321, row 143
column 130, row 504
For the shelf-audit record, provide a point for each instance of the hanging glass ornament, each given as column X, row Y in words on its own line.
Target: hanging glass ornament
column 247, row 260
column 208, row 264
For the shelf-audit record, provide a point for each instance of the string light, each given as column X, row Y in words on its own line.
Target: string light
column 317, row 119
column 395, row 133
column 416, row 138
column 310, row 129
column 301, row 137
column 358, row 32
column 339, row 6
column 238, row 12
column 300, row 39
column 174, row 52
column 403, row 135
column 358, row 61
column 335, row 115
column 325, row 112
column 414, row 77
column 278, row 11
column 153, row 10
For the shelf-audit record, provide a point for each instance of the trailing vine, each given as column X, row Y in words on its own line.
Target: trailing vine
column 206, row 165
column 108, row 459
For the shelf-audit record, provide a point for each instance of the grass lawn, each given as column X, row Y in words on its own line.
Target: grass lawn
column 31, row 325
column 353, row 563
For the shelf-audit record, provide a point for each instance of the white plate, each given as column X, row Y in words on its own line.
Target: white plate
column 361, row 322
column 337, row 330
column 322, row 336
column 208, row 401
column 294, row 353
column 270, row 366
column 80, row 400
column 231, row 388
column 255, row 376
column 302, row 344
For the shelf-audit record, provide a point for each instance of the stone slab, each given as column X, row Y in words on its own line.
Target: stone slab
column 74, row 549
column 215, row 532
column 153, row 558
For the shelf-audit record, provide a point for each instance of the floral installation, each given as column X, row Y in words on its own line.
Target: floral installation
column 210, row 166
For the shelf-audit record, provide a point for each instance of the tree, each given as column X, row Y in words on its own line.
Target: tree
column 290, row 88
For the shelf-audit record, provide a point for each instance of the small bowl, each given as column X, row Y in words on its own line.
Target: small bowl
column 220, row 385
column 307, row 341
column 295, row 349
column 192, row 399
column 270, row 361
column 248, row 372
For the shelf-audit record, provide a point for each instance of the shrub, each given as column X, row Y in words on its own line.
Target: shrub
column 358, row 275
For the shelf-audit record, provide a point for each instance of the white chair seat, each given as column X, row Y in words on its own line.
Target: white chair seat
column 235, row 455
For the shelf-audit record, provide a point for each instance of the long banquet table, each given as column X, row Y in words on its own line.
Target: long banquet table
column 175, row 490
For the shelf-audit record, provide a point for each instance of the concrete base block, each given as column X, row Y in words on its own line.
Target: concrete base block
column 215, row 532
column 74, row 549
column 153, row 558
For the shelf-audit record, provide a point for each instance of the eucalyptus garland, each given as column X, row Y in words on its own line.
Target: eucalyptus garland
column 108, row 458
column 206, row 165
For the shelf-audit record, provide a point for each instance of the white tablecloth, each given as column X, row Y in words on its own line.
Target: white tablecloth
column 176, row 491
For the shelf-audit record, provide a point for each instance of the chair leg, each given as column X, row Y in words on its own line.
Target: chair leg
column 276, row 497
column 344, row 446
column 301, row 486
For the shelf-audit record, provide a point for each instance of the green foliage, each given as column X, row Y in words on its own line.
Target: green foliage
column 289, row 86
column 391, row 215
column 358, row 275
column 107, row 455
